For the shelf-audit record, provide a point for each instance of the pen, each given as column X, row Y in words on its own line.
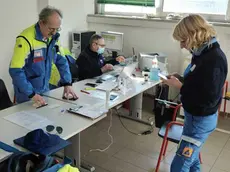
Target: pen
column 85, row 92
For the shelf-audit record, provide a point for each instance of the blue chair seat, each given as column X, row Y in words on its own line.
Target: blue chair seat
column 174, row 133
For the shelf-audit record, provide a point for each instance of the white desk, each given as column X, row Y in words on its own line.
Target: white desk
column 136, row 93
column 72, row 124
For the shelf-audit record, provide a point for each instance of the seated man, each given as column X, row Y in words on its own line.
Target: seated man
column 91, row 62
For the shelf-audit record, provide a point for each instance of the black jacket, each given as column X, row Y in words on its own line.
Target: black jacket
column 90, row 64
column 201, row 93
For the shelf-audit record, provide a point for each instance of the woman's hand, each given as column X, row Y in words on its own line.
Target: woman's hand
column 173, row 82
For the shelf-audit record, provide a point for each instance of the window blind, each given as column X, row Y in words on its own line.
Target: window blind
column 128, row 2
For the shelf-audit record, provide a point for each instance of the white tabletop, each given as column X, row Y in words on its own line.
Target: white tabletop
column 72, row 124
column 136, row 86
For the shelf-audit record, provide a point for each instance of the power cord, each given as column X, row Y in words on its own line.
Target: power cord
column 137, row 134
column 111, row 137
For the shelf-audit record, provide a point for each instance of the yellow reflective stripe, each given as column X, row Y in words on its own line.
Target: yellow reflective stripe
column 55, row 76
column 21, row 52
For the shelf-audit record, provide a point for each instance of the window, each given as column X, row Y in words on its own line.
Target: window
column 210, row 9
column 215, row 7
column 132, row 7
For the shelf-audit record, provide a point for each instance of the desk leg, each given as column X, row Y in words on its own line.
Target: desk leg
column 136, row 110
column 73, row 151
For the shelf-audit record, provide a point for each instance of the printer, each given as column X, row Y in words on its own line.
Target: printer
column 145, row 61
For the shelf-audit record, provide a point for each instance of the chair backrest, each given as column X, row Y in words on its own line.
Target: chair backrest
column 5, row 101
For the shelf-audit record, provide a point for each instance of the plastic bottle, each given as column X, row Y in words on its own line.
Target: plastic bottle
column 154, row 70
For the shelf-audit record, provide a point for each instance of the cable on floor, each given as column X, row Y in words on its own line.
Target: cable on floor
column 137, row 134
column 111, row 137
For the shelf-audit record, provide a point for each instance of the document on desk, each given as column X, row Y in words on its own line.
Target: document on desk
column 90, row 111
column 4, row 155
column 28, row 120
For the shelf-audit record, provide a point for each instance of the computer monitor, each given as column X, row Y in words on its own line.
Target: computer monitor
column 113, row 41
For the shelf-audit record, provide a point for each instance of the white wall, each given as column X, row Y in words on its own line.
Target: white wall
column 14, row 18
column 74, row 16
column 153, row 36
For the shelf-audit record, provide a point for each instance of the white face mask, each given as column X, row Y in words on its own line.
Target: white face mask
column 100, row 50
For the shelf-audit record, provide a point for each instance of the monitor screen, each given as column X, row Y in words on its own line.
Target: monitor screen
column 113, row 40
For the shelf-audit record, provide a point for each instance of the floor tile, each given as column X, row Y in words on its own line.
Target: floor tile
column 97, row 158
column 205, row 168
column 227, row 146
column 208, row 159
column 136, row 159
column 117, row 165
column 216, row 170
column 211, row 149
column 222, row 162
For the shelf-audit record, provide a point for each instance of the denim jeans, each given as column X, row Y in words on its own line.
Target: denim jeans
column 195, row 132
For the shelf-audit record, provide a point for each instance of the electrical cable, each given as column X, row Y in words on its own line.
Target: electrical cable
column 137, row 134
column 111, row 137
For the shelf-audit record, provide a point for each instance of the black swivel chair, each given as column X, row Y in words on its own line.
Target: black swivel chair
column 5, row 101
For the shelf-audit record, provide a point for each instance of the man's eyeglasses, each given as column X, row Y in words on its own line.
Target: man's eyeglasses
column 102, row 45
column 53, row 29
column 50, row 128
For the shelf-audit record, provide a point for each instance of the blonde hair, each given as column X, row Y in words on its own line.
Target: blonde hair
column 194, row 30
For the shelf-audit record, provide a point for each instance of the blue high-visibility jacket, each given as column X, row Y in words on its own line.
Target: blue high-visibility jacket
column 30, row 67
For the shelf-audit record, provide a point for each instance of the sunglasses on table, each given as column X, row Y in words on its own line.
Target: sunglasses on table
column 50, row 128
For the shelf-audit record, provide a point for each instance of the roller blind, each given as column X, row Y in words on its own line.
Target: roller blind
column 128, row 2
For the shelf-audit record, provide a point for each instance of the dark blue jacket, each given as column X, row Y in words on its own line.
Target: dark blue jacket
column 201, row 93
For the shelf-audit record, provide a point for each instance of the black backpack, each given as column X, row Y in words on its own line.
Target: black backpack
column 23, row 162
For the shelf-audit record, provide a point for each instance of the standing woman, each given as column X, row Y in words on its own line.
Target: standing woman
column 201, row 90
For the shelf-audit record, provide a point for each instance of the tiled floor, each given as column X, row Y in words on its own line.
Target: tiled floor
column 132, row 153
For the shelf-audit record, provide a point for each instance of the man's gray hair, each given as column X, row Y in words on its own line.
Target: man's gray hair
column 48, row 11
column 94, row 38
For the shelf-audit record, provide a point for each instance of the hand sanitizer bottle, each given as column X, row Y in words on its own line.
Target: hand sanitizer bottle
column 154, row 70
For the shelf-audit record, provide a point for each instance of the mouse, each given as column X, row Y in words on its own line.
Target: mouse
column 98, row 81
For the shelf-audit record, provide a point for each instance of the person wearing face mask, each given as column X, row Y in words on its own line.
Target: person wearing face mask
column 34, row 53
column 200, row 89
column 91, row 62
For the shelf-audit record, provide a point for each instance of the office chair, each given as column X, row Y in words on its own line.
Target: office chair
column 170, row 131
column 4, row 96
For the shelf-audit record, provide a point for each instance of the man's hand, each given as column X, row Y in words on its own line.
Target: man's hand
column 38, row 100
column 69, row 92
column 173, row 81
column 120, row 59
column 106, row 68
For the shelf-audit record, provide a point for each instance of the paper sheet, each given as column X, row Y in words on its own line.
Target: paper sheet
column 28, row 120
column 4, row 155
column 91, row 111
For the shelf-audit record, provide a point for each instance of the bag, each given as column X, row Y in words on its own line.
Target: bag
column 162, row 114
column 22, row 162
